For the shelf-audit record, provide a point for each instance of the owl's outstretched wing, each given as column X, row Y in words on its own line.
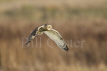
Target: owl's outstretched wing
column 37, row 31
column 57, row 38
column 32, row 35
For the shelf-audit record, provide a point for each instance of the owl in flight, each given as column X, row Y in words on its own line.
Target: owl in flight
column 50, row 32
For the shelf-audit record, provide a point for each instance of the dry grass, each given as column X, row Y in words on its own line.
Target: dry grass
column 15, row 57
column 82, row 24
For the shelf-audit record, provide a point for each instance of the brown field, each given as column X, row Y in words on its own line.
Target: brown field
column 83, row 25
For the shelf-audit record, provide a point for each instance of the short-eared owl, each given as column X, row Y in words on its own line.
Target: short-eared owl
column 50, row 32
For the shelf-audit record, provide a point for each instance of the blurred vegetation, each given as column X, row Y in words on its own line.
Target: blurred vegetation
column 74, row 23
column 44, row 13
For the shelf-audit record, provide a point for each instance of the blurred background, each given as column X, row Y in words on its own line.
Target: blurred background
column 76, row 20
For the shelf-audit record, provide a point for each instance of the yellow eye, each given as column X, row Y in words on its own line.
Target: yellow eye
column 49, row 27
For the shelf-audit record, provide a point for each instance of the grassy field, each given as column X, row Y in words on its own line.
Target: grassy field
column 82, row 25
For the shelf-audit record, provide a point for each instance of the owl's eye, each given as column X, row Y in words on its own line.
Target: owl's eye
column 48, row 26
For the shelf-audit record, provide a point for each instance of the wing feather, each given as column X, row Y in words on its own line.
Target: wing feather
column 57, row 38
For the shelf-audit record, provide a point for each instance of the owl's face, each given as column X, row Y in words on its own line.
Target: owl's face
column 49, row 27
column 45, row 27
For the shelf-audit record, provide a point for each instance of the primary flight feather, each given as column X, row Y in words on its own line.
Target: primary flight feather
column 53, row 34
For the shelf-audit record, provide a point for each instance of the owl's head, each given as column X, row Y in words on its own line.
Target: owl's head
column 48, row 27
column 45, row 27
